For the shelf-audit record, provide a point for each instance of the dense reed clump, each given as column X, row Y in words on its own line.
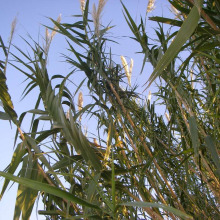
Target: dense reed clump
column 140, row 164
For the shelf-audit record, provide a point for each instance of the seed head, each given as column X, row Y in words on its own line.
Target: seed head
column 47, row 36
column 150, row 6
column 82, row 5
column 131, row 66
column 192, row 78
column 125, row 66
column 80, row 101
column 96, row 143
column 55, row 27
column 175, row 11
column 68, row 114
column 149, row 96
column 85, row 130
column 96, row 15
column 13, row 25
column 80, row 104
column 167, row 116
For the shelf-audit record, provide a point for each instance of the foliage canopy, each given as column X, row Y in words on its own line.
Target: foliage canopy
column 145, row 165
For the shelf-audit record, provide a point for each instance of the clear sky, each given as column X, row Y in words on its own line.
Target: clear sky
column 31, row 14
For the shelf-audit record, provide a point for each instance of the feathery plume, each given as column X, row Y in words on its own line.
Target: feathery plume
column 82, row 5
column 125, row 66
column 55, row 27
column 47, row 33
column 47, row 41
column 13, row 25
column 174, row 10
column 85, row 130
column 80, row 104
column 96, row 15
column 150, row 6
column 96, row 143
column 131, row 66
column 149, row 96
column 167, row 116
column 80, row 101
column 192, row 78
column 68, row 114
column 49, row 37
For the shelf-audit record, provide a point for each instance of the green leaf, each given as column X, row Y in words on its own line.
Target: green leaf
column 164, row 207
column 3, row 47
column 194, row 135
column 186, row 30
column 6, row 98
column 26, row 196
column 64, row 31
column 85, row 14
column 113, row 182
column 15, row 161
column 78, row 139
column 166, row 21
column 66, row 161
column 46, row 134
column 213, row 151
column 92, row 190
column 131, row 23
column 4, row 116
column 109, row 140
column 62, row 85
column 36, row 185
column 31, row 142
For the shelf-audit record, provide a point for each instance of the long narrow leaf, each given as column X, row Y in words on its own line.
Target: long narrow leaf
column 164, row 207
column 194, row 135
column 48, row 189
column 186, row 30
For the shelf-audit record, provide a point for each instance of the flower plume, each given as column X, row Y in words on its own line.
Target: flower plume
column 68, row 114
column 125, row 66
column 192, row 78
column 13, row 25
column 167, row 116
column 150, row 6
column 82, row 5
column 49, row 37
column 175, row 11
column 131, row 66
column 80, row 103
column 149, row 96
column 96, row 15
column 55, row 27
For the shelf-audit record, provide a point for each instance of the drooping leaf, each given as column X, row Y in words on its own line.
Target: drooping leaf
column 18, row 154
column 26, row 196
column 6, row 98
column 36, row 185
column 186, row 30
column 4, row 116
column 214, row 153
column 164, row 207
column 194, row 135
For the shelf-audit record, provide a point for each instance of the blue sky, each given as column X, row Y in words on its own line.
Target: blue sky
column 30, row 17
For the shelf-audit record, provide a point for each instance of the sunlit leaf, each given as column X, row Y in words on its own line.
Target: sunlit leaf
column 186, row 30
column 164, row 207
column 36, row 185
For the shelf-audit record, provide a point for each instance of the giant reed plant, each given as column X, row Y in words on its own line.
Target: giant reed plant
column 144, row 166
